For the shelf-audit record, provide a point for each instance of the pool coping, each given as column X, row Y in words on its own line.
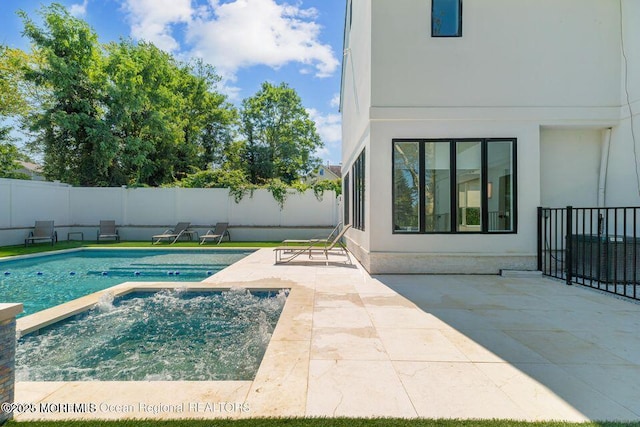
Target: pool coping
column 139, row 248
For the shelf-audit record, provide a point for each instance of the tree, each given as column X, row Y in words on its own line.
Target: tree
column 9, row 156
column 166, row 116
column 143, row 112
column 210, row 121
column 13, row 93
column 280, row 138
column 13, row 104
column 77, row 145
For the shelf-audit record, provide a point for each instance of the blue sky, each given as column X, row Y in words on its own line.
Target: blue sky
column 248, row 41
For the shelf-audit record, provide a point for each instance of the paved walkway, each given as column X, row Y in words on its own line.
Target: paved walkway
column 349, row 344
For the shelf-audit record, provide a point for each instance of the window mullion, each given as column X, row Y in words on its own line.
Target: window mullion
column 484, row 183
column 422, row 185
column 454, row 187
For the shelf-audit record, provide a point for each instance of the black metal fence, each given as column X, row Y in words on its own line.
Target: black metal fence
column 595, row 247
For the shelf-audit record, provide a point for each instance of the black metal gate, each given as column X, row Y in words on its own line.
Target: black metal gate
column 595, row 247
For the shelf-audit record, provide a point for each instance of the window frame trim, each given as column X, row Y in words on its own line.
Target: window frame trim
column 453, row 196
column 358, row 178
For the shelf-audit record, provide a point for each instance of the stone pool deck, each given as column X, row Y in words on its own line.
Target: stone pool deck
column 349, row 344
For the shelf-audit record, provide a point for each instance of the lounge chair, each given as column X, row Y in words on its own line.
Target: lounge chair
column 180, row 230
column 42, row 231
column 287, row 253
column 329, row 238
column 218, row 233
column 108, row 230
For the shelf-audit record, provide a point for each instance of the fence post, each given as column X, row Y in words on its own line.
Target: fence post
column 539, row 238
column 569, row 243
column 8, row 313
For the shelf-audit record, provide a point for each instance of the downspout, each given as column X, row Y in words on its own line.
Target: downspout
column 604, row 163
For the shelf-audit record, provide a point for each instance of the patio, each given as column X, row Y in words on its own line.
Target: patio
column 349, row 344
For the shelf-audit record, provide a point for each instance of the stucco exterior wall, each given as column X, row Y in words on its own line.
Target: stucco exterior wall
column 570, row 166
column 383, row 239
column 623, row 180
column 525, row 53
column 356, row 83
column 550, row 73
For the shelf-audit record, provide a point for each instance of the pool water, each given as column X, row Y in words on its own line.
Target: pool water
column 163, row 336
column 49, row 280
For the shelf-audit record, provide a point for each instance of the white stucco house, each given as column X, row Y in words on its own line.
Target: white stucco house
column 461, row 117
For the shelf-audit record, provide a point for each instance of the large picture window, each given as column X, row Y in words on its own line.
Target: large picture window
column 454, row 186
column 358, row 174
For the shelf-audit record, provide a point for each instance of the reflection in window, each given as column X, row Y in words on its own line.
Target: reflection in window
column 346, row 219
column 499, row 185
column 454, row 186
column 358, row 173
column 446, row 18
column 468, row 178
column 437, row 187
column 406, row 187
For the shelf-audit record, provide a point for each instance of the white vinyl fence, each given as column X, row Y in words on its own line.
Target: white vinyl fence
column 142, row 212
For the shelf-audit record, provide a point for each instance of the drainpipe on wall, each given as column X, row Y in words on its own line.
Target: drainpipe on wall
column 604, row 163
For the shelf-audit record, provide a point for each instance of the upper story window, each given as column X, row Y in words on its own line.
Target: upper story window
column 446, row 18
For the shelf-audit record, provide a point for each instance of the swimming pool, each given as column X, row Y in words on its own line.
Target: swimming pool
column 49, row 280
column 163, row 336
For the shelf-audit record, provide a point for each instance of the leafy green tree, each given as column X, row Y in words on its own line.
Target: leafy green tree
column 9, row 156
column 210, row 121
column 14, row 104
column 143, row 112
column 280, row 138
column 77, row 145
column 13, row 91
column 167, row 117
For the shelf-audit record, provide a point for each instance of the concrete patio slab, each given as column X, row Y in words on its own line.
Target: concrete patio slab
column 349, row 344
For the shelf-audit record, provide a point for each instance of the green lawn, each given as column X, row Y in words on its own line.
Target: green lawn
column 319, row 422
column 45, row 247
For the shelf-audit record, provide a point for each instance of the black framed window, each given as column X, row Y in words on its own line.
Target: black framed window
column 446, row 18
column 454, row 186
column 358, row 174
column 346, row 219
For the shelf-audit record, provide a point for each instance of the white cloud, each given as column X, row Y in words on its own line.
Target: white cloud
column 79, row 10
column 152, row 20
column 235, row 34
column 335, row 101
column 323, row 153
column 329, row 126
column 244, row 33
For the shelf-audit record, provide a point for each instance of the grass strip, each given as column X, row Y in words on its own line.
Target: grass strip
column 321, row 422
